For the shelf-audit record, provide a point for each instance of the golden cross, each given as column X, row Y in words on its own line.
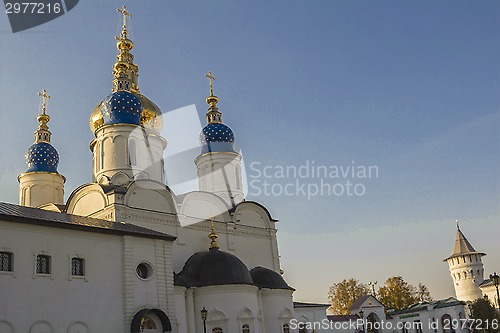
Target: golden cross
column 45, row 97
column 125, row 14
column 211, row 78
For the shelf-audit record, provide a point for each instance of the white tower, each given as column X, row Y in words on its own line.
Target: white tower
column 219, row 165
column 41, row 183
column 126, row 125
column 466, row 268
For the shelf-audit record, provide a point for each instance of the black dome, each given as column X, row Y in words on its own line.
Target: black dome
column 213, row 268
column 269, row 279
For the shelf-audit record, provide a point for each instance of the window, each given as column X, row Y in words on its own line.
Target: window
column 302, row 330
column 217, row 330
column 132, row 153
column 6, row 261
column 78, row 267
column 286, row 328
column 42, row 264
column 245, row 328
column 144, row 271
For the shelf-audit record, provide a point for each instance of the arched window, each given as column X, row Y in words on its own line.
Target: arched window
column 103, row 144
column 77, row 266
column 6, row 261
column 245, row 328
column 286, row 328
column 132, row 153
column 465, row 275
column 43, row 264
column 217, row 330
column 238, row 178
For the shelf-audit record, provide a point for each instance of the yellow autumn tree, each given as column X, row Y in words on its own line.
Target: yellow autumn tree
column 397, row 294
column 343, row 294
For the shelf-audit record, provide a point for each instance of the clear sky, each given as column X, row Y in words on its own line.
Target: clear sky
column 410, row 87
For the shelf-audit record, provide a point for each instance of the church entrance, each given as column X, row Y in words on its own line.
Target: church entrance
column 150, row 321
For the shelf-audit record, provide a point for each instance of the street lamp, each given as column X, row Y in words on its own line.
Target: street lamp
column 361, row 315
column 204, row 313
column 496, row 281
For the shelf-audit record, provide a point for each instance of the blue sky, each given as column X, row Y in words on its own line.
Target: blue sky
column 412, row 87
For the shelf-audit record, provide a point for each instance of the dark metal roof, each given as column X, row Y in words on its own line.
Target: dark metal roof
column 213, row 268
column 269, row 279
column 309, row 305
column 359, row 301
column 485, row 283
column 28, row 215
column 462, row 246
column 424, row 306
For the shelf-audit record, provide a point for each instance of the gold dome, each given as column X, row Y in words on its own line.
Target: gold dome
column 96, row 120
column 151, row 117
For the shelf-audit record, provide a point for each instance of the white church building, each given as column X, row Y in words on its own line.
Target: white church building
column 124, row 253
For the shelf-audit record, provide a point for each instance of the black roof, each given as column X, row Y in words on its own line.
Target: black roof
column 212, row 268
column 309, row 305
column 267, row 278
column 28, row 215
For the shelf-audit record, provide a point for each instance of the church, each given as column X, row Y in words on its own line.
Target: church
column 124, row 253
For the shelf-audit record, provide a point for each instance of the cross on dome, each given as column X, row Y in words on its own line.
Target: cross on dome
column 44, row 97
column 125, row 14
column 211, row 78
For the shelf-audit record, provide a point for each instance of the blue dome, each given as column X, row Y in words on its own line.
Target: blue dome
column 217, row 137
column 42, row 156
column 121, row 107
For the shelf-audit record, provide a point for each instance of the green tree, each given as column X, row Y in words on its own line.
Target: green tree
column 484, row 312
column 397, row 294
column 343, row 294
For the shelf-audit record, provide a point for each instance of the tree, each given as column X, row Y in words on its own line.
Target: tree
column 397, row 294
column 343, row 294
column 423, row 294
column 484, row 312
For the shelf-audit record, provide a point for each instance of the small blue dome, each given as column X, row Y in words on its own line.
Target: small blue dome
column 121, row 107
column 42, row 156
column 217, row 137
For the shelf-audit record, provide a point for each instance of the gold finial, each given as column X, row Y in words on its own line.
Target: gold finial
column 213, row 114
column 42, row 134
column 45, row 97
column 125, row 14
column 213, row 236
column 125, row 72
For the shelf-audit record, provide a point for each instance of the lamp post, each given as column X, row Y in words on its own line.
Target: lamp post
column 204, row 313
column 496, row 281
column 361, row 315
